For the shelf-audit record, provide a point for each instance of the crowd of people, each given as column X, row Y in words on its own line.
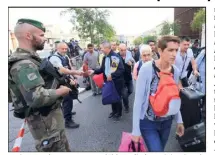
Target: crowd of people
column 146, row 66
column 169, row 54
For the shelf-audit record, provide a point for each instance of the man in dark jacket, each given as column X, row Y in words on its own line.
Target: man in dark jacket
column 136, row 54
column 128, row 84
column 117, row 71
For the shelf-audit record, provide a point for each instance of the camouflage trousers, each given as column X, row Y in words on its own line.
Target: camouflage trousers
column 49, row 132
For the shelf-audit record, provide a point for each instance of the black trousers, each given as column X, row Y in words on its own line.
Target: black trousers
column 127, row 91
column 117, row 107
column 67, row 107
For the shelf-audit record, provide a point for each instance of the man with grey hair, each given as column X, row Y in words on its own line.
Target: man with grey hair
column 128, row 62
column 112, row 69
column 61, row 61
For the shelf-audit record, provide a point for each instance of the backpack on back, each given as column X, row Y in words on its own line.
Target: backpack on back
column 166, row 100
column 20, row 106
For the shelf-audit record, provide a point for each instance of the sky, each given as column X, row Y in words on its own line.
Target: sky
column 126, row 21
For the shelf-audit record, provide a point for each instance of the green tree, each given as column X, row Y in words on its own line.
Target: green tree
column 166, row 28
column 138, row 41
column 150, row 37
column 91, row 23
column 175, row 27
column 198, row 20
column 170, row 28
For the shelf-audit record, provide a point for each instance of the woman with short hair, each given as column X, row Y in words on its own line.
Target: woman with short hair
column 146, row 55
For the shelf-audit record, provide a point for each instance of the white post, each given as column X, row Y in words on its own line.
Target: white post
column 203, row 36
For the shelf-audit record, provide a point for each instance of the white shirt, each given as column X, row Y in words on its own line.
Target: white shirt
column 183, row 62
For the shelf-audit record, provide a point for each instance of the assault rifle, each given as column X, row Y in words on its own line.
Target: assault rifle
column 59, row 79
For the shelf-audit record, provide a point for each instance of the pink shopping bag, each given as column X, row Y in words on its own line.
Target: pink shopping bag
column 127, row 145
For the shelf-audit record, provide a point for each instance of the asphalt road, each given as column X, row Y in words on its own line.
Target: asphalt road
column 96, row 132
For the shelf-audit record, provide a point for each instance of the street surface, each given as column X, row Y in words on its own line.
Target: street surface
column 97, row 132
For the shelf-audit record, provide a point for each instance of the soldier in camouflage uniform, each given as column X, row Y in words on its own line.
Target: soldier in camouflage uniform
column 30, row 90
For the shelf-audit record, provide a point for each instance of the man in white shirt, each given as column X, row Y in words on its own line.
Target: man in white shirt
column 61, row 61
column 183, row 58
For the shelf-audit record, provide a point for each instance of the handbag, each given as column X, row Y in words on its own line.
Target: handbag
column 99, row 80
column 191, row 93
column 127, row 145
column 109, row 93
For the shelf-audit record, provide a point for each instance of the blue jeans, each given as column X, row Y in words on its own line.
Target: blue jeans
column 155, row 133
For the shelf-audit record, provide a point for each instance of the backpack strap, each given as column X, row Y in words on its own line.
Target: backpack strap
column 139, row 66
column 156, row 69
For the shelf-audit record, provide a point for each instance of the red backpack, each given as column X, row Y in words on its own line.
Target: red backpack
column 166, row 100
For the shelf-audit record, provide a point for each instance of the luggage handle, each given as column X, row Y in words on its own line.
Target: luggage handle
column 197, row 79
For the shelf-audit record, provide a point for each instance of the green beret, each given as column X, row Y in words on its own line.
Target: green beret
column 56, row 42
column 32, row 22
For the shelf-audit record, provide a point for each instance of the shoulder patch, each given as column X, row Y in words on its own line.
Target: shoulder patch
column 26, row 76
column 32, row 76
column 114, row 63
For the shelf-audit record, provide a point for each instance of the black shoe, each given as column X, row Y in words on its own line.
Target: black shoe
column 94, row 94
column 87, row 88
column 71, row 124
column 117, row 117
column 111, row 115
column 73, row 113
column 126, row 110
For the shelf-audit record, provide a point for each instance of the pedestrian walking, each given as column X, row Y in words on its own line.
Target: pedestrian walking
column 153, row 126
column 91, row 59
column 128, row 62
column 145, row 55
column 112, row 69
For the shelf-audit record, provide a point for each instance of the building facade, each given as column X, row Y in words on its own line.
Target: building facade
column 127, row 39
column 184, row 17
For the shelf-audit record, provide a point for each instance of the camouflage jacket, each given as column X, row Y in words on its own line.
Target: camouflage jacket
column 26, row 84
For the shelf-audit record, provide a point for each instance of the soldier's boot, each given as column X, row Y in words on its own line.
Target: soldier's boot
column 71, row 124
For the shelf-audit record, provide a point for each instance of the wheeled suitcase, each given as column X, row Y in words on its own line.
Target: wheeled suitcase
column 193, row 139
column 190, row 106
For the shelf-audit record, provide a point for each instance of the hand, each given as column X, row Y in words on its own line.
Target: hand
column 129, row 63
column 80, row 73
column 90, row 72
column 135, row 139
column 196, row 73
column 72, row 82
column 76, row 81
column 109, row 78
column 180, row 129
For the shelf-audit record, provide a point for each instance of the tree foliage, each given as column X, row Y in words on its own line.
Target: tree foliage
column 170, row 28
column 91, row 23
column 143, row 40
column 198, row 20
column 150, row 37
column 138, row 41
